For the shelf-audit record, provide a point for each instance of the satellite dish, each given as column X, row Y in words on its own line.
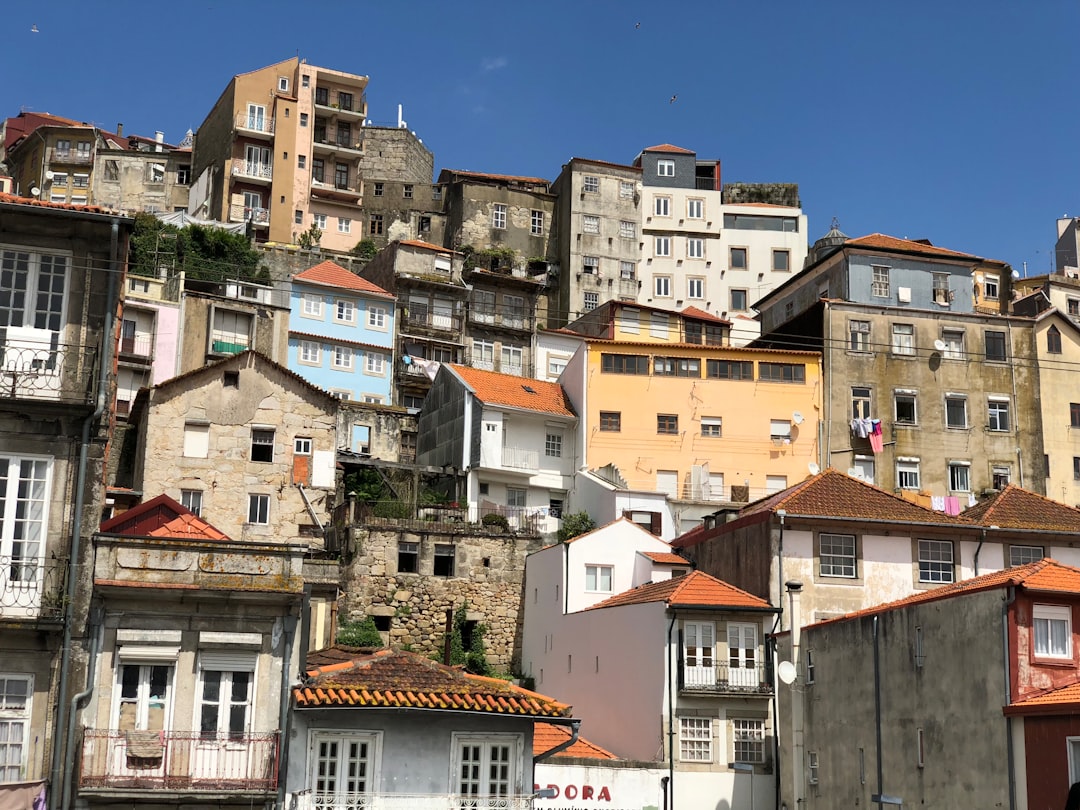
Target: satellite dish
column 50, row 174
column 940, row 345
column 813, row 467
column 1016, row 273
column 797, row 418
column 786, row 672
column 34, row 191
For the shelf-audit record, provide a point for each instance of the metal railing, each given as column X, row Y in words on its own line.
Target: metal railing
column 243, row 213
column 138, row 346
column 255, row 123
column 499, row 365
column 520, row 458
column 32, row 587
column 70, row 156
column 508, row 320
column 179, row 760
column 435, row 320
column 448, row 518
column 745, row 679
column 309, row 800
column 340, row 139
column 253, row 169
column 38, row 370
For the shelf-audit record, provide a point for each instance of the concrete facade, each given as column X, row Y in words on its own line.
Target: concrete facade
column 502, row 319
column 148, row 176
column 217, row 322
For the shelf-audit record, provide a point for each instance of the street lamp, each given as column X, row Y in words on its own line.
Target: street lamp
column 748, row 769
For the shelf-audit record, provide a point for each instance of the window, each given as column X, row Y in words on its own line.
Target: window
column 408, row 557
column 903, row 339
column 498, row 216
column 1022, row 555
column 665, row 168
column 997, row 417
column 954, row 344
column 749, row 737
column 196, row 440
column 663, row 246
column 737, row 258
column 262, row 444
column 712, row 426
column 990, row 287
column 407, row 191
column 836, row 555
column 225, row 703
column 959, row 476
column 860, row 402
column 592, row 301
column 516, row 497
column 556, row 366
column 956, row 411
column 590, row 224
column 611, row 421
column 627, row 229
column 375, row 363
column 695, row 739
column 627, row 270
column 662, row 286
column 782, row 372
column 812, row 767
column 425, row 224
column 775, row 483
column 626, row 190
column 995, row 346
column 907, row 473
column 83, row 180
column 590, row 265
column 1053, row 340
column 142, row 696
column 444, row 560
column 319, row 221
column 695, row 208
column 781, row 261
column 191, row 499
column 375, row 225
column 859, row 333
column 341, row 176
column 342, row 766
column 905, row 408
column 342, row 358
column 15, row 694
column 662, row 206
column 310, row 353
column 879, row 288
column 810, row 673
column 298, row 217
column 598, row 578
column 624, row 364
column 779, row 429
column 63, row 148
column 536, row 223
column 61, row 179
column 695, row 248
column 82, row 149
column 377, row 190
column 513, row 360
column 302, row 446
column 301, row 161
column 346, row 311
column 32, row 291
column 1000, row 475
column 486, row 767
column 344, row 225
column 553, row 445
column 738, row 300
column 667, row 423
column 677, row 366
column 590, row 184
column 258, row 509
column 1074, row 414
column 941, row 293
column 695, row 287
column 729, row 370
column 376, row 316
column 1053, row 630
column 935, row 561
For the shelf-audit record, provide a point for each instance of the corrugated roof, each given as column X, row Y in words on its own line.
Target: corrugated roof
column 1016, row 508
column 404, row 680
column 881, row 241
column 695, row 589
column 334, row 275
column 547, row 735
column 512, row 391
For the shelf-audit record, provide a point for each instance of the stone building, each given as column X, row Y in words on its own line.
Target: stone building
column 148, row 175
column 502, row 319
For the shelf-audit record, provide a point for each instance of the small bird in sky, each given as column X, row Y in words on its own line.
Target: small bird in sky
column 673, row 98
column 34, row 29
column 637, row 25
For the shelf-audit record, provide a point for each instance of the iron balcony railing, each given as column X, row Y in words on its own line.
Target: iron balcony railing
column 507, row 320
column 255, row 123
column 70, row 156
column 410, row 801
column 245, row 213
column 179, row 760
column 340, row 138
column 439, row 321
column 140, row 346
column 499, row 365
column 62, row 372
column 252, row 169
column 742, row 679
column 447, row 518
column 32, row 587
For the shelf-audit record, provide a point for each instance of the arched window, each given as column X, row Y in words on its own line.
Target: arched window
column 1053, row 340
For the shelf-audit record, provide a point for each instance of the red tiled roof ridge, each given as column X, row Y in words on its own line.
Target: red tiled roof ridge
column 548, row 735
column 668, row 147
column 333, row 274
column 671, row 591
column 694, row 312
column 995, row 510
column 886, row 242
column 509, row 390
column 30, row 201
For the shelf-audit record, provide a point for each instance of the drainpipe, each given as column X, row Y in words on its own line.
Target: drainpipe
column 877, row 714
column 575, row 731
column 1005, row 659
column 97, row 622
column 669, row 795
column 794, row 589
column 978, row 548
column 777, row 625
column 283, row 713
column 104, row 366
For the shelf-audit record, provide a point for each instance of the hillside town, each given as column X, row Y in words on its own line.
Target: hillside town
column 329, row 481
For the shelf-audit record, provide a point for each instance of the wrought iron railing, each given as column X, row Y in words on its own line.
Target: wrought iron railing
column 179, row 760
column 138, row 346
column 309, row 800
column 252, row 169
column 508, row 320
column 255, row 123
column 38, row 370
column 70, row 156
column 244, row 213
column 743, row 679
column 434, row 320
column 459, row 518
column 32, row 587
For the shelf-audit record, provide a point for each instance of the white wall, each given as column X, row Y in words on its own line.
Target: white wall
column 615, row 544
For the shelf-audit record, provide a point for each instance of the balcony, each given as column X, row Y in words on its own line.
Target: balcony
column 38, row 369
column 254, row 124
column 252, row 170
column 520, row 458
column 724, row 679
column 499, row 365
column 332, row 103
column 442, row 518
column 409, row 801
column 506, row 320
column 426, row 320
column 337, row 141
column 70, row 157
column 260, row 217
column 137, row 348
column 179, row 761
column 32, row 588
column 337, row 191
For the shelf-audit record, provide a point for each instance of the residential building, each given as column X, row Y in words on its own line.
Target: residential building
column 52, row 158
column 341, row 333
column 400, row 200
column 906, row 344
column 502, row 322
column 150, row 336
column 146, row 175
column 514, row 438
column 382, row 432
column 61, row 272
column 552, row 350
column 281, row 150
column 616, row 620
column 194, row 640
column 243, row 443
column 978, row 677
column 598, row 223
column 709, row 423
column 430, row 320
column 381, row 729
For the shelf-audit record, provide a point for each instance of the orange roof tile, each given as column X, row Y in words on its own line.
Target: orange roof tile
column 667, row 147
column 188, row 527
column 426, row 245
column 405, row 680
column 1016, row 508
column 666, row 558
column 695, row 589
column 881, row 241
column 334, row 275
column 511, row 391
column 89, row 209
column 1056, row 701
column 700, row 314
column 547, row 735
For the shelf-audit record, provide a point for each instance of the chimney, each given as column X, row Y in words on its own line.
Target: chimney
column 159, row 137
column 120, row 129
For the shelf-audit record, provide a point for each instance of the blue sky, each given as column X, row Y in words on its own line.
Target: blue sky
column 953, row 120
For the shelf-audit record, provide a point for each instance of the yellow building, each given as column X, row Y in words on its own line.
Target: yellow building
column 667, row 406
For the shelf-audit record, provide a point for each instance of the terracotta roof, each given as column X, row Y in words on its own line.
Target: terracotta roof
column 512, row 391
column 1053, row 702
column 695, row 589
column 89, row 209
column 335, row 654
column 667, row 147
column 426, row 245
column 189, row 527
column 161, row 516
column 665, row 558
column 1016, row 508
column 880, row 241
column 337, row 340
column 404, row 680
column 702, row 315
column 547, row 735
column 334, row 275
column 502, row 177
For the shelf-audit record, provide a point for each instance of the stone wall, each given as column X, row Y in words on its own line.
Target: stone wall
column 772, row 193
column 392, row 153
column 489, row 576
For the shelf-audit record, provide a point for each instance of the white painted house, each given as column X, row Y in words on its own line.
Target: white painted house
column 665, row 664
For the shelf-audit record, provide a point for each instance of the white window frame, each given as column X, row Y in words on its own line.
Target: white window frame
column 998, row 414
column 749, row 735
column 259, row 437
column 590, row 302
column 662, row 286
column 598, row 578
column 342, row 358
column 1043, row 619
column 375, row 363
column 376, row 316
column 626, row 190
column 696, row 739
column 226, row 703
column 23, row 536
column 553, row 445
column 145, row 660
column 908, row 474
column 695, row 208
column 1022, row 555
column 990, row 287
column 348, row 777
column 590, row 184
column 843, row 553
column 859, row 336
column 258, row 507
column 590, row 223
column 661, row 206
column 665, row 168
column 903, row 342
column 345, row 311
column 498, row 216
column 472, row 783
column 15, row 726
column 302, row 445
column 712, row 427
column 879, row 286
column 627, row 229
column 695, row 248
column 937, row 570
column 309, row 353
column 954, row 344
column 319, row 221
column 192, row 500
column 959, row 476
column 627, row 270
column 954, row 398
column 196, row 440
column 536, row 223
column 695, row 287
column 662, row 246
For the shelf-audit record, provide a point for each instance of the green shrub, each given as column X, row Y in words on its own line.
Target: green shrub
column 574, row 525
column 366, row 249
column 493, row 519
column 474, row 659
column 359, row 634
column 392, row 509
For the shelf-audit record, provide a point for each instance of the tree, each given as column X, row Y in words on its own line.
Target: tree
column 467, row 644
column 575, row 524
column 360, row 634
column 310, row 238
column 208, row 253
column 366, row 249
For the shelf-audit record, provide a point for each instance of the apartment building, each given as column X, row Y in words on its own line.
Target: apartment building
column 400, row 200
column 150, row 336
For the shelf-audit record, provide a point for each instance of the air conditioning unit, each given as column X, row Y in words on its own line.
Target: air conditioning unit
column 903, row 295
